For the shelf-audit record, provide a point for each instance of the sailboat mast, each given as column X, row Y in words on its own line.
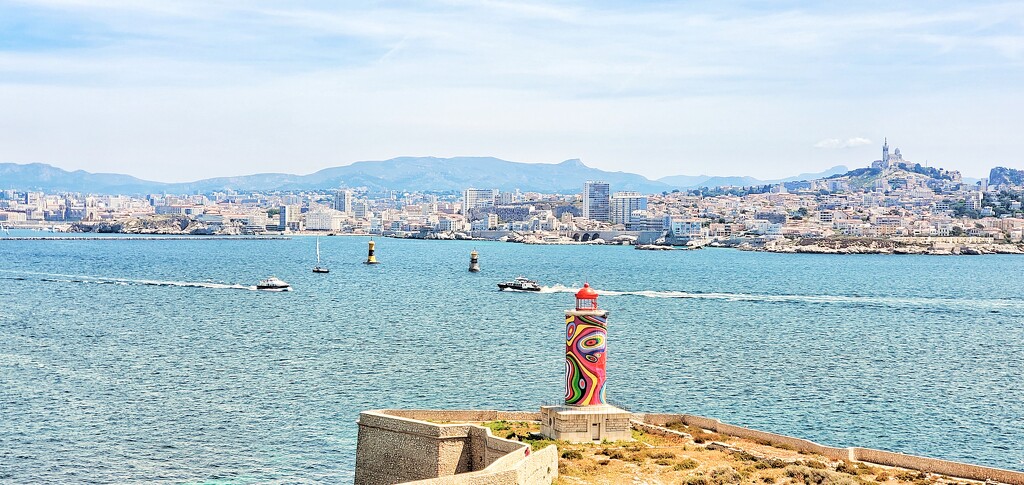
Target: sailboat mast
column 318, row 251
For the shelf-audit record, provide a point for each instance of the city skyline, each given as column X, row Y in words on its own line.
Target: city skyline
column 196, row 90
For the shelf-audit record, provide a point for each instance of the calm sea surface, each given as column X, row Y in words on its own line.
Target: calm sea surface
column 152, row 361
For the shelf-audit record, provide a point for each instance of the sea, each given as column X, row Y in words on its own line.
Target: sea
column 156, row 361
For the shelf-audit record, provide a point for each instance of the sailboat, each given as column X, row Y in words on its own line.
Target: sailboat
column 318, row 268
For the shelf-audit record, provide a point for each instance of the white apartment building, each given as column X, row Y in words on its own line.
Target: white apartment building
column 473, row 198
column 682, row 225
column 624, row 203
column 324, row 220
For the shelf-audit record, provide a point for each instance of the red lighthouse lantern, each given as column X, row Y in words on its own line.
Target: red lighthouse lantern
column 586, row 298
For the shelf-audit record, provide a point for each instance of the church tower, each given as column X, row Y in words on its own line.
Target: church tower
column 885, row 153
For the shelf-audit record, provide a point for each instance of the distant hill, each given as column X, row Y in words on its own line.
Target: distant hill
column 868, row 177
column 1008, row 176
column 43, row 177
column 406, row 173
column 697, row 181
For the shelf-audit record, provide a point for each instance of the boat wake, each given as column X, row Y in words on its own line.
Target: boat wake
column 987, row 304
column 99, row 280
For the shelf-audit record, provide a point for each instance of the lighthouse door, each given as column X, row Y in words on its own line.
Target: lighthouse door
column 595, row 431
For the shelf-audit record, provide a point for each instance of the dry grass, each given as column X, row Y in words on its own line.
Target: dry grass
column 656, row 459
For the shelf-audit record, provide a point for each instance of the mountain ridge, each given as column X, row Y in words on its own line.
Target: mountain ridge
column 400, row 173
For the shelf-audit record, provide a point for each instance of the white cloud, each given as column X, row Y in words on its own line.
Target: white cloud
column 839, row 143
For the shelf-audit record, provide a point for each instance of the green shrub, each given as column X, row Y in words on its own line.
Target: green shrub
column 572, row 454
column 776, row 463
column 695, row 479
column 818, row 476
column 661, row 454
column 686, row 464
column 846, row 467
column 722, row 475
column 615, row 454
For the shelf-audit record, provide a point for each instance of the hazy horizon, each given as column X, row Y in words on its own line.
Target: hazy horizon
column 197, row 90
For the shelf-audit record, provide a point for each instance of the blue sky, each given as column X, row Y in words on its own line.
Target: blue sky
column 183, row 90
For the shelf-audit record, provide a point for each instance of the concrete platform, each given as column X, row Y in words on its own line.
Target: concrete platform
column 585, row 424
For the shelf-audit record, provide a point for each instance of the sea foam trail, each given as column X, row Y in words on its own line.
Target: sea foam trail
column 987, row 304
column 101, row 280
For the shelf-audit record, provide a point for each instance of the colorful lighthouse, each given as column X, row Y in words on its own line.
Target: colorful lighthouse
column 474, row 262
column 585, row 416
column 586, row 343
column 370, row 258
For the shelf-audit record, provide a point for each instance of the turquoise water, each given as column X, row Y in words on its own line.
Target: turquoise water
column 153, row 361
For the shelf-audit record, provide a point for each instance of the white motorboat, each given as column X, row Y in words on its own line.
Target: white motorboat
column 273, row 283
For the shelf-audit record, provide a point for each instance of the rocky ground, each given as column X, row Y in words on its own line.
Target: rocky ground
column 855, row 245
column 697, row 457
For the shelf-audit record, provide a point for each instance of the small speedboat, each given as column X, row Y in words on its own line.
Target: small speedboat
column 273, row 283
column 519, row 284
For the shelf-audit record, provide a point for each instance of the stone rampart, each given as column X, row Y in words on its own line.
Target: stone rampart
column 867, row 455
column 464, row 416
column 400, row 446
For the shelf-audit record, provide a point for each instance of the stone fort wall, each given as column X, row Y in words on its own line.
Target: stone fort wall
column 419, row 446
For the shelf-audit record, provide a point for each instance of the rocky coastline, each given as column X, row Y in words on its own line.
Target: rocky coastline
column 853, row 245
column 168, row 225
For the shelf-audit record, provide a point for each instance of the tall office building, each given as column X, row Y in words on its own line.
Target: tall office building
column 343, row 201
column 596, row 201
column 624, row 203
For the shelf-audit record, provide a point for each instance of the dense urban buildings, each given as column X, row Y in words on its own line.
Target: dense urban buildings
column 892, row 198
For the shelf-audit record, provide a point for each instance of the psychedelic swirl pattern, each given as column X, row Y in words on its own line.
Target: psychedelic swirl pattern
column 586, row 340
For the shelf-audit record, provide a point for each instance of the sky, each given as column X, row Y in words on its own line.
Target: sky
column 177, row 91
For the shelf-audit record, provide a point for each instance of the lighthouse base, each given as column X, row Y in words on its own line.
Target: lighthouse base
column 585, row 424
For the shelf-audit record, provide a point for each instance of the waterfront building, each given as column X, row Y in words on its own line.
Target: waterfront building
column 324, row 220
column 624, row 203
column 596, row 201
column 288, row 218
column 682, row 226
